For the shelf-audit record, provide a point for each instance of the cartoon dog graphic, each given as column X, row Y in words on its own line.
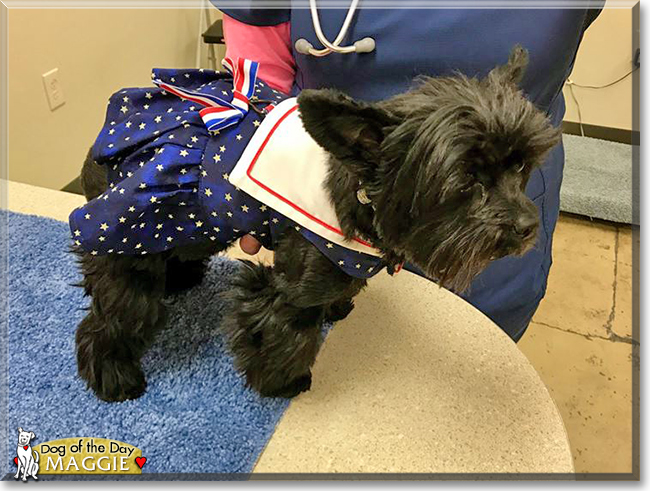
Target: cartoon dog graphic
column 27, row 459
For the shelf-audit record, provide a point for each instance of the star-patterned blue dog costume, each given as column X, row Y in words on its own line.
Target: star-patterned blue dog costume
column 170, row 181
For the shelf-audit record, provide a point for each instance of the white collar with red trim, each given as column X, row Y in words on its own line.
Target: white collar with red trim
column 284, row 168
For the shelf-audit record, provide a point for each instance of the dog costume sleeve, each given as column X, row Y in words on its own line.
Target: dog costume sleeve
column 170, row 151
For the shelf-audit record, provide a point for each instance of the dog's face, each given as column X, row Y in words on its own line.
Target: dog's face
column 24, row 437
column 445, row 166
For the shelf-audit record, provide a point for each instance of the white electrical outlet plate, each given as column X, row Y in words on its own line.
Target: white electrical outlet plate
column 53, row 89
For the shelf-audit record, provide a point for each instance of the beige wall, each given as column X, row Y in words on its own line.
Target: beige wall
column 97, row 52
column 605, row 55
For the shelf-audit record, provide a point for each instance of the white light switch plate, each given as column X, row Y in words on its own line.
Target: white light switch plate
column 53, row 89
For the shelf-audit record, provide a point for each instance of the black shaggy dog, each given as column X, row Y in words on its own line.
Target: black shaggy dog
column 443, row 168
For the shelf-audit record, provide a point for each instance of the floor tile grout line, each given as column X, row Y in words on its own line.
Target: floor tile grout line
column 612, row 312
column 614, row 339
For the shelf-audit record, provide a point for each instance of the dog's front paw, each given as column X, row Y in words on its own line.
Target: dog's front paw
column 114, row 380
column 280, row 388
column 339, row 310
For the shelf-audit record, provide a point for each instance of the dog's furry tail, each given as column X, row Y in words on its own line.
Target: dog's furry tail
column 273, row 342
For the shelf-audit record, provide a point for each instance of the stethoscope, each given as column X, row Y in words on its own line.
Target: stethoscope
column 365, row 45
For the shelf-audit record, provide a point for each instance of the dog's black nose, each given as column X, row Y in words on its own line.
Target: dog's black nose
column 525, row 224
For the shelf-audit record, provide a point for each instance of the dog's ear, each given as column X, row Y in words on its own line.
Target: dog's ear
column 31, row 435
column 514, row 70
column 350, row 130
column 20, row 430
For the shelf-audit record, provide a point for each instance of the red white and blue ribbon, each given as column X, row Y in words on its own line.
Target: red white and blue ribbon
column 219, row 113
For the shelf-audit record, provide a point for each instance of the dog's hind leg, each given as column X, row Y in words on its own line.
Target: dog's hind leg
column 274, row 328
column 125, row 313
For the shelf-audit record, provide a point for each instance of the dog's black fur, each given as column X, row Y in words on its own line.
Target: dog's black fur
column 445, row 166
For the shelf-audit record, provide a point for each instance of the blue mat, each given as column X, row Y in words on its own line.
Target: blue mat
column 194, row 400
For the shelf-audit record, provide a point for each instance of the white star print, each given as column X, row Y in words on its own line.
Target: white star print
column 159, row 226
column 104, row 226
column 222, row 148
column 128, row 124
column 341, row 263
column 194, row 139
column 159, row 167
column 244, row 208
column 329, row 245
column 358, row 266
column 122, row 191
column 138, row 245
column 183, row 171
column 171, row 137
column 94, row 253
column 148, row 95
column 158, row 119
column 208, row 192
column 199, row 224
column 142, row 126
column 275, row 220
column 239, row 137
column 122, row 219
column 102, row 238
column 191, row 216
column 256, row 123
column 111, row 131
column 229, row 214
column 131, row 209
column 228, row 197
column 263, row 208
column 142, row 185
column 169, row 239
column 217, row 158
column 184, row 153
column 87, row 216
column 124, row 109
column 77, row 233
column 146, row 106
column 370, row 270
column 225, row 176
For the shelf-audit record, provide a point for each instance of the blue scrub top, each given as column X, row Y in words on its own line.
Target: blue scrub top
column 435, row 42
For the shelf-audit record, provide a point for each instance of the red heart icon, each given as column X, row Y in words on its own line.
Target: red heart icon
column 140, row 461
column 16, row 460
column 26, row 447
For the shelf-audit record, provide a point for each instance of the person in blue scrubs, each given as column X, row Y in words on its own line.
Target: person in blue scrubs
column 435, row 42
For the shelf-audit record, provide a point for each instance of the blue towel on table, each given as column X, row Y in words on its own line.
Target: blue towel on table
column 196, row 415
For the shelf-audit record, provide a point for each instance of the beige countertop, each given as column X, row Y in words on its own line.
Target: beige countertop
column 415, row 380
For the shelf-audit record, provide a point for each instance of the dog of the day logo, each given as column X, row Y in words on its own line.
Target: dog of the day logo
column 70, row 456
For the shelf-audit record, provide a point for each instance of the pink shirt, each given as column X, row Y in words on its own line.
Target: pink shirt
column 270, row 46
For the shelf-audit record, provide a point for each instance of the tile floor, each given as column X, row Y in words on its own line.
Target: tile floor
column 580, row 341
